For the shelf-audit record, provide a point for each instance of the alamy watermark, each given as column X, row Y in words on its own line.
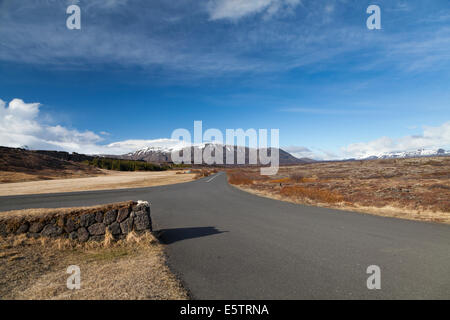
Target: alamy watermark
column 250, row 147
column 374, row 280
column 374, row 20
column 73, row 22
column 74, row 281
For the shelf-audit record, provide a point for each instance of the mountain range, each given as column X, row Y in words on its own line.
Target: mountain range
column 161, row 154
column 410, row 154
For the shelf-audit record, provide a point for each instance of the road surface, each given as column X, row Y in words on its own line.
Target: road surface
column 228, row 244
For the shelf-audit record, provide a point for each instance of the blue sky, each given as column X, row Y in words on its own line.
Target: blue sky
column 137, row 70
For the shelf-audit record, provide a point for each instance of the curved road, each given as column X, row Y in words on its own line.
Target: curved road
column 228, row 244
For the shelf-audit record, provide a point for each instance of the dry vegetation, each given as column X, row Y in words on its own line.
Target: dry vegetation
column 415, row 188
column 50, row 174
column 133, row 268
column 201, row 173
column 109, row 180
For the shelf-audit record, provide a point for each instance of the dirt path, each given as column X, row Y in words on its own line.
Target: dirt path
column 112, row 180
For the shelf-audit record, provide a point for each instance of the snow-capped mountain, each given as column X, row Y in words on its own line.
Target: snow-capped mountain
column 411, row 154
column 162, row 153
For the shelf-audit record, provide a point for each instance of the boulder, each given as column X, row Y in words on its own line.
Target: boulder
column 73, row 235
column 123, row 214
column 99, row 216
column 23, row 228
column 110, row 217
column 127, row 225
column 87, row 220
column 82, row 234
column 50, row 230
column 70, row 225
column 142, row 221
column 114, row 228
column 97, row 229
column 36, row 227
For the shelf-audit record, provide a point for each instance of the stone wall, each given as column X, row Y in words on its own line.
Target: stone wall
column 82, row 224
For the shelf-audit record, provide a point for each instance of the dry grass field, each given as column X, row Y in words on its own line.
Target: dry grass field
column 133, row 268
column 107, row 180
column 414, row 188
column 11, row 177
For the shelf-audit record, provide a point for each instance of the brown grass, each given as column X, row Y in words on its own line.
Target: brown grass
column 240, row 179
column 12, row 177
column 133, row 268
column 108, row 180
column 201, row 173
column 416, row 188
column 312, row 193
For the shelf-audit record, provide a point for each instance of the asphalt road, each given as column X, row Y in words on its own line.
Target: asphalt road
column 228, row 244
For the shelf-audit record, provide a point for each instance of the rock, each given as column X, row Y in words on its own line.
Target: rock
column 60, row 222
column 97, row 229
column 51, row 230
column 70, row 225
column 73, row 235
column 99, row 216
column 141, row 205
column 114, row 228
column 127, row 225
column 36, row 227
column 87, row 220
column 123, row 214
column 23, row 228
column 3, row 232
column 11, row 228
column 110, row 217
column 96, row 238
column 83, row 234
column 142, row 221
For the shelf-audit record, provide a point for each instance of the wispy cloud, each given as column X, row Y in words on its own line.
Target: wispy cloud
column 190, row 38
column 236, row 9
column 321, row 111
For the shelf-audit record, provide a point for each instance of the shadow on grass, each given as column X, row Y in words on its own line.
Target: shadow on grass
column 169, row 236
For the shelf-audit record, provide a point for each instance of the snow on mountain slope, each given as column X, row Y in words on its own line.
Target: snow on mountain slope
column 161, row 152
column 410, row 154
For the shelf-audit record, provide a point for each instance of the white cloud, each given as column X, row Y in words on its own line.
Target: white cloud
column 19, row 126
column 236, row 9
column 431, row 138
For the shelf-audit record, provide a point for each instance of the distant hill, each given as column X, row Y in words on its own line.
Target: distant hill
column 21, row 164
column 18, row 164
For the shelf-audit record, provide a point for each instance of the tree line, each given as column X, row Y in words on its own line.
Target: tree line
column 125, row 165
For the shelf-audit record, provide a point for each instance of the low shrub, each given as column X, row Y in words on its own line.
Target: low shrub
column 312, row 193
column 239, row 179
column 282, row 180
